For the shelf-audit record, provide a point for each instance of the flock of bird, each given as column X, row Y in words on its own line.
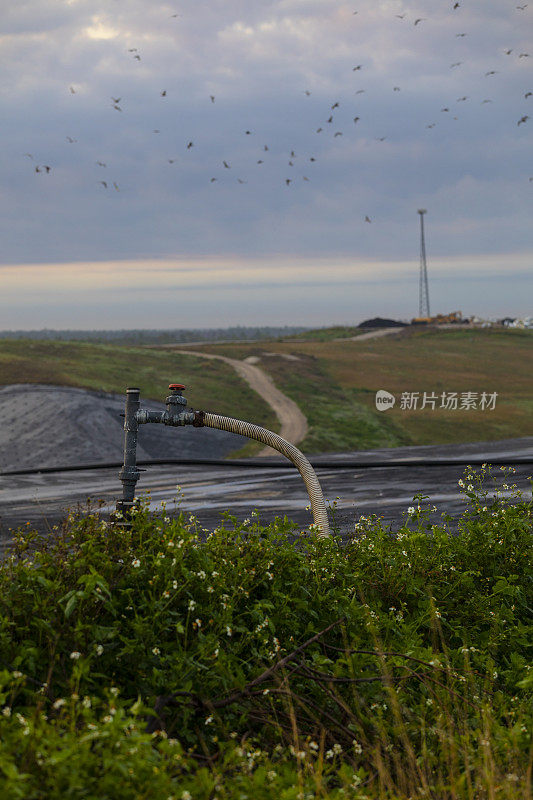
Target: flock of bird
column 322, row 128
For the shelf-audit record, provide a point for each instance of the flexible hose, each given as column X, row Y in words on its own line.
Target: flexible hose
column 318, row 506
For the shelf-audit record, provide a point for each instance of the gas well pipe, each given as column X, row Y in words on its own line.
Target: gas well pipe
column 176, row 416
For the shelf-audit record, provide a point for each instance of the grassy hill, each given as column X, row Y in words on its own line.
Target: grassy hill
column 334, row 383
column 211, row 385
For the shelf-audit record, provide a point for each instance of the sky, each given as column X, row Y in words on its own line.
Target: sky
column 204, row 163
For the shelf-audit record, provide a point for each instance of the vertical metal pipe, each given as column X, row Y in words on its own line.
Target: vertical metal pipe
column 129, row 474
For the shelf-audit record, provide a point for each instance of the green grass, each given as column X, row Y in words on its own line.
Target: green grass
column 211, row 385
column 334, row 383
column 326, row 334
column 162, row 660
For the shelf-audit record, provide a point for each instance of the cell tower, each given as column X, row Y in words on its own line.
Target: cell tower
column 423, row 292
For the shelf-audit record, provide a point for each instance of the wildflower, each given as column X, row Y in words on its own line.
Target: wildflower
column 156, row 651
column 114, row 691
column 186, row 795
column 228, row 630
column 86, row 702
column 411, row 510
column 75, row 655
column 209, row 719
column 271, row 775
column 58, row 703
column 135, row 563
column 266, row 691
column 201, row 575
column 197, row 623
column 6, row 711
column 107, row 718
column 192, row 605
column 313, row 746
column 329, row 754
column 357, row 747
column 210, row 590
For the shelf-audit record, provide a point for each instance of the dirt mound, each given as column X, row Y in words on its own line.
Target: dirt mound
column 48, row 426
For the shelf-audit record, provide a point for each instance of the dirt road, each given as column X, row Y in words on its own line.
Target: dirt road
column 293, row 424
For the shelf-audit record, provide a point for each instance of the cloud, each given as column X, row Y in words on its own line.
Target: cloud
column 468, row 165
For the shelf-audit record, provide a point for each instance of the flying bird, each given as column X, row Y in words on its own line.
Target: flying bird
column 456, row 64
column 445, row 109
column 460, row 35
column 240, row 181
column 117, row 107
column 359, row 66
column 227, row 166
column 508, row 52
column 307, row 92
column 137, row 57
column 522, row 8
column 265, row 148
column 381, row 138
column 420, row 19
column 70, row 140
column 486, row 101
column 339, row 133
column 356, row 119
column 360, row 91
column 189, row 145
column 248, row 133
column 528, row 94
column 523, row 55
column 491, row 72
column 522, row 120
column 101, row 164
column 312, row 158
column 212, row 180
column 156, row 131
column 400, row 16
column 164, row 93
column 116, row 99
column 72, row 89
column 319, row 130
column 395, row 88
column 367, row 219
column 212, row 98
column 431, row 126
column 461, row 99
column 29, row 155
column 104, row 184
column 260, row 161
column 330, row 119
column 335, row 105
column 171, row 160
column 116, row 186
column 287, row 181
column 305, row 179
column 456, row 5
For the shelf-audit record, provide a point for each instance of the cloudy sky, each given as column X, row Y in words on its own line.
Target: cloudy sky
column 120, row 116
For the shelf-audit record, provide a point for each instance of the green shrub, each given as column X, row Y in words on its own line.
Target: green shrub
column 256, row 661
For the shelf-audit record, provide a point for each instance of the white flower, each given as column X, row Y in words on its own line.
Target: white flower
column 228, row 630
column 156, row 651
column 99, row 649
column 75, row 655
column 186, row 795
column 192, row 605
column 209, row 719
column 135, row 563
column 58, row 703
column 201, row 575
column 86, row 702
column 6, row 711
column 174, row 584
column 357, row 747
column 411, row 510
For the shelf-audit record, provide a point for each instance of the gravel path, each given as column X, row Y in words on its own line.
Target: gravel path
column 293, row 423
